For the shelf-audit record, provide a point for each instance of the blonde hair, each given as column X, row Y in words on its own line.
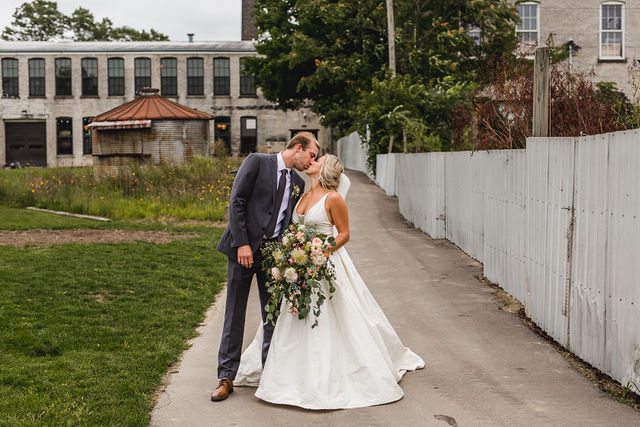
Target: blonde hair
column 330, row 172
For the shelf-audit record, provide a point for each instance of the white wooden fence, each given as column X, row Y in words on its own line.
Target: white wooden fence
column 352, row 153
column 556, row 225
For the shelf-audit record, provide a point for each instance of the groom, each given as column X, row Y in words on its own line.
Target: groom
column 262, row 199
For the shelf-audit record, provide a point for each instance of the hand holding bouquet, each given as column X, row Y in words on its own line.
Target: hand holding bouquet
column 294, row 268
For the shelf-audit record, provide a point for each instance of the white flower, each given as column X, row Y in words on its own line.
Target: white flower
column 318, row 259
column 285, row 240
column 277, row 255
column 299, row 256
column 275, row 272
column 290, row 274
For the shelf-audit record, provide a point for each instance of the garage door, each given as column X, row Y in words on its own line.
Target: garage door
column 26, row 143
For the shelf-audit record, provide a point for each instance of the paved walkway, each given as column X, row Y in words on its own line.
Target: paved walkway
column 483, row 365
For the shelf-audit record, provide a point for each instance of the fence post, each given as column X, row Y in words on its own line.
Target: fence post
column 541, row 92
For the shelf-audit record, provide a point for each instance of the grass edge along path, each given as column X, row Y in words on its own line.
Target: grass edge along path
column 88, row 331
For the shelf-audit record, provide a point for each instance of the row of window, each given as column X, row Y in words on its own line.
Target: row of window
column 248, row 134
column 116, row 76
column 611, row 27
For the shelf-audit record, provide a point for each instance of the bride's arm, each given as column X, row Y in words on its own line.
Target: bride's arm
column 339, row 216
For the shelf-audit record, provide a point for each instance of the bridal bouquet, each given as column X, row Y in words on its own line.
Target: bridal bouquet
column 294, row 269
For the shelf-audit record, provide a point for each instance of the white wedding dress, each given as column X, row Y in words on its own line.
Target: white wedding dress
column 352, row 359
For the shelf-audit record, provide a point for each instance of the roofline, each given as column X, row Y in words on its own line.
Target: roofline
column 123, row 52
column 97, row 48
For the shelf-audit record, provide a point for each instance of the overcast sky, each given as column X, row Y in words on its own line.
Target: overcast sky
column 210, row 20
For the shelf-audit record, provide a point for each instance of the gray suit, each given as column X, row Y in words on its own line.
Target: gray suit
column 250, row 208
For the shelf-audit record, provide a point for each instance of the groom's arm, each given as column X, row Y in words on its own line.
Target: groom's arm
column 240, row 193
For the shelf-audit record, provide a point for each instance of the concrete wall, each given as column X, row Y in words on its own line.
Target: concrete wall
column 557, row 225
column 273, row 126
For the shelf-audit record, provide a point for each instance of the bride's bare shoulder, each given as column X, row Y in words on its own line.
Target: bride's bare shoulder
column 335, row 198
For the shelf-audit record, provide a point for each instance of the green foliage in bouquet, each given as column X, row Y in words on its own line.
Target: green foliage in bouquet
column 295, row 269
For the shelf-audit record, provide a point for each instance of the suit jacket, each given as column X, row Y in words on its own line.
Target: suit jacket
column 251, row 203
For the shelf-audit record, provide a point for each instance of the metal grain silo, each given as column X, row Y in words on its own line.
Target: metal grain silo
column 148, row 129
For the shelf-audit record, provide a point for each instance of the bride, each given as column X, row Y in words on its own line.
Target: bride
column 353, row 358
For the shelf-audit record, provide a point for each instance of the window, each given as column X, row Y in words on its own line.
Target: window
column 611, row 30
column 475, row 33
column 89, row 76
column 169, row 77
column 64, row 135
column 248, row 135
column 247, row 83
column 221, row 75
column 222, row 131
column 142, row 73
column 195, row 76
column 36, row 77
column 63, row 76
column 115, row 72
column 529, row 26
column 86, row 136
column 9, row 78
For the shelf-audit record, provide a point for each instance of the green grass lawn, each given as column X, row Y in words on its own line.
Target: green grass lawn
column 87, row 331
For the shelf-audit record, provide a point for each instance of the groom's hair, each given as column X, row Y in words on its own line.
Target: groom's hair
column 303, row 138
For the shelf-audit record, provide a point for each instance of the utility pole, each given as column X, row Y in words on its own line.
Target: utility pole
column 392, row 37
column 541, row 61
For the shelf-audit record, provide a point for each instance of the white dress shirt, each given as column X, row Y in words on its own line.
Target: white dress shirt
column 285, row 197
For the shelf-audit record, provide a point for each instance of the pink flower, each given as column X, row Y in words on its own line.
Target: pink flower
column 275, row 272
column 291, row 275
column 299, row 236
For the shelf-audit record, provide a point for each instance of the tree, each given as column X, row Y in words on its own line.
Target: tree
column 403, row 108
column 434, row 37
column 85, row 28
column 335, row 54
column 41, row 20
column 326, row 52
column 130, row 34
column 38, row 20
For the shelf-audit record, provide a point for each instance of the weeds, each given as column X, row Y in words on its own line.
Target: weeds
column 624, row 395
column 500, row 116
column 197, row 190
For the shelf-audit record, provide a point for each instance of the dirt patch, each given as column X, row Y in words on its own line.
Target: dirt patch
column 40, row 238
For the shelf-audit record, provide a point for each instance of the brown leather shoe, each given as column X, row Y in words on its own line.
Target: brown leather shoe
column 225, row 388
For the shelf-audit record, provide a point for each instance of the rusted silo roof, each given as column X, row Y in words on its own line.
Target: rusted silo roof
column 151, row 106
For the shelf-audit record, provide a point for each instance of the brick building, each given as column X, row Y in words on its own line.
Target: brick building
column 608, row 33
column 50, row 90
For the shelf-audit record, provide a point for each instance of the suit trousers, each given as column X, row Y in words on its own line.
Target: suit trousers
column 238, row 286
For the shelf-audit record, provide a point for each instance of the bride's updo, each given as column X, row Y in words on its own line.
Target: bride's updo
column 330, row 172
